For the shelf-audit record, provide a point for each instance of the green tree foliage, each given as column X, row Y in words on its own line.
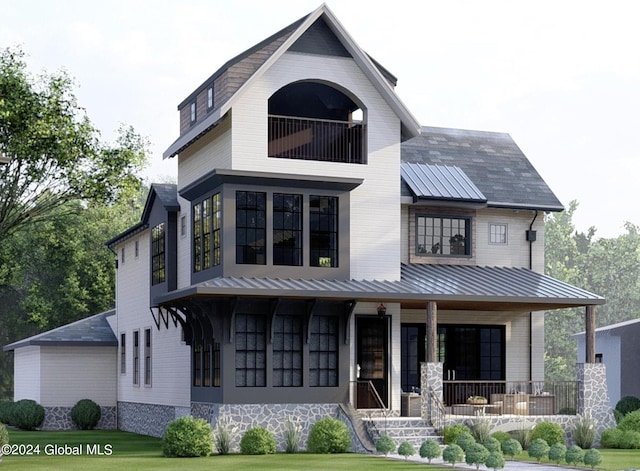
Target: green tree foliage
column 607, row 267
column 550, row 432
column 538, row 449
column 257, row 441
column 406, row 449
column 430, row 449
column 592, row 457
column 451, row 433
column 476, row 454
column 557, row 452
column 187, row 437
column 574, row 455
column 628, row 404
column 385, row 444
column 329, row 435
column 452, row 454
column 511, row 447
column 631, row 421
column 495, row 460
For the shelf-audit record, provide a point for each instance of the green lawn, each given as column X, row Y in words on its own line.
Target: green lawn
column 136, row 452
column 612, row 460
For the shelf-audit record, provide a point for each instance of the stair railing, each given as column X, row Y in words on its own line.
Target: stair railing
column 437, row 410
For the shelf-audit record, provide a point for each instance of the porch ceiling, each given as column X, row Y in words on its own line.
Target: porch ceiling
column 451, row 287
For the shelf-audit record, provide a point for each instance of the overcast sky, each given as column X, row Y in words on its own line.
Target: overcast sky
column 561, row 77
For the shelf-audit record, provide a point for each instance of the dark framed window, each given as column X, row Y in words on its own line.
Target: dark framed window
column 210, row 97
column 123, row 353
column 207, row 222
column 323, row 351
column 323, row 231
column 215, row 352
column 206, row 364
column 251, row 223
column 287, row 351
column 136, row 357
column 192, row 113
column 147, row 357
column 412, row 351
column 287, row 229
column 197, row 365
column 448, row 236
column 498, row 233
column 158, row 263
column 251, row 341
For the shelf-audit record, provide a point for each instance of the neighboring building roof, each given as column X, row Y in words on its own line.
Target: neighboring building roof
column 94, row 330
column 492, row 161
column 268, row 51
column 440, row 182
column 612, row 329
column 451, row 286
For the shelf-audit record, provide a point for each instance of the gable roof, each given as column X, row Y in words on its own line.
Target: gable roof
column 270, row 50
column 94, row 330
column 440, row 182
column 166, row 194
column 492, row 161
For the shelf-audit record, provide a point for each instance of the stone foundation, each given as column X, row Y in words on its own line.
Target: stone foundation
column 59, row 418
column 147, row 419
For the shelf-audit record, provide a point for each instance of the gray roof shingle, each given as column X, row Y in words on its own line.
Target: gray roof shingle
column 493, row 162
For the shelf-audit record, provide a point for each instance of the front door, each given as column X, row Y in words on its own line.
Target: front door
column 372, row 362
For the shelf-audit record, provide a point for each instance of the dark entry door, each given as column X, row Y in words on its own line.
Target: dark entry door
column 372, row 353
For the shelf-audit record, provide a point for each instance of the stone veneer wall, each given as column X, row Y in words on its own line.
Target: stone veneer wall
column 59, row 418
column 593, row 396
column 147, row 419
column 430, row 379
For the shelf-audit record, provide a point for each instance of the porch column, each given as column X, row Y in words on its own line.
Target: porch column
column 590, row 334
column 431, row 337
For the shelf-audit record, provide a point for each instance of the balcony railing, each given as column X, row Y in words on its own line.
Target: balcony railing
column 317, row 139
column 511, row 397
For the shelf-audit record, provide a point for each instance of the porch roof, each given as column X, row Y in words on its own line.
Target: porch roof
column 451, row 287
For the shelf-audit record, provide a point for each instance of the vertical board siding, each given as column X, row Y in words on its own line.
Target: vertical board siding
column 26, row 368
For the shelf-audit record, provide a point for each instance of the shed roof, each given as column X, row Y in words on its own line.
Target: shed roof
column 94, row 330
column 440, row 182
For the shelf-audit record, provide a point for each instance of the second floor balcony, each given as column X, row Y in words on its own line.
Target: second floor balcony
column 317, row 139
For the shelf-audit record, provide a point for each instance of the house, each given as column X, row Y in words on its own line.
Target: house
column 618, row 349
column 322, row 253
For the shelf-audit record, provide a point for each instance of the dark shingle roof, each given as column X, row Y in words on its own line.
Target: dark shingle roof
column 94, row 330
column 493, row 162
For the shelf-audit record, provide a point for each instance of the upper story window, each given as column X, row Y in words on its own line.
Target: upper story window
column 449, row 236
column 210, row 97
column 287, row 229
column 314, row 121
column 158, row 261
column 192, row 113
column 207, row 222
column 323, row 228
column 251, row 227
column 498, row 234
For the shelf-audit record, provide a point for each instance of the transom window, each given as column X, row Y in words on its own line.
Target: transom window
column 251, row 224
column 449, row 236
column 287, row 229
column 158, row 263
column 323, row 228
column 207, row 222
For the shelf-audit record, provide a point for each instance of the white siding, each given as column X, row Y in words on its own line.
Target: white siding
column 26, row 373
column 73, row 373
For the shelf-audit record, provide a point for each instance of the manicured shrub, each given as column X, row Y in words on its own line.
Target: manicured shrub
column 610, row 438
column 257, row 441
column 631, row 421
column 187, row 437
column 511, row 447
column 329, row 435
column 501, row 436
column 584, row 431
column 406, row 449
column 292, row 434
column 476, row 454
column 6, row 412
column 86, row 414
column 627, row 404
column 617, row 415
column 574, row 455
column 492, row 444
column 223, row 436
column 592, row 457
column 28, row 414
column 450, row 433
column 538, row 449
column 557, row 452
column 495, row 460
column 452, row 454
column 385, row 444
column 550, row 432
column 464, row 440
column 430, row 449
column 629, row 440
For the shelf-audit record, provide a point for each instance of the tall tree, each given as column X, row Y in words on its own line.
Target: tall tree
column 50, row 153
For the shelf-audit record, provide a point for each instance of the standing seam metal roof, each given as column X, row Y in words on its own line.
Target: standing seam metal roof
column 441, row 182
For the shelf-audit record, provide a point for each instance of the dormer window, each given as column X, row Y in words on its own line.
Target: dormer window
column 193, row 112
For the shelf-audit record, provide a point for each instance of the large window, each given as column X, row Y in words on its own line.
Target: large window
column 206, row 364
column 287, row 351
column 448, row 236
column 287, row 229
column 251, row 224
column 323, row 351
column 207, row 222
column 158, row 263
column 323, row 227
column 251, row 342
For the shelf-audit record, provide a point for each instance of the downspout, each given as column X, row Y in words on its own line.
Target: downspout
column 531, row 237
column 115, row 294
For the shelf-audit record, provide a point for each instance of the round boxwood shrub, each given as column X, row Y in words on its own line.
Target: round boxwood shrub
column 257, row 441
column 187, row 437
column 592, row 457
column 550, row 432
column 492, row 444
column 450, row 433
column 629, row 440
column 574, row 455
column 85, row 414
column 406, row 449
column 329, row 435
column 6, row 412
column 452, row 454
column 28, row 414
column 476, row 454
column 610, row 438
column 538, row 449
column 511, row 447
column 557, row 452
column 385, row 444
column 464, row 440
column 631, row 421
column 495, row 460
column 627, row 404
column 430, row 449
